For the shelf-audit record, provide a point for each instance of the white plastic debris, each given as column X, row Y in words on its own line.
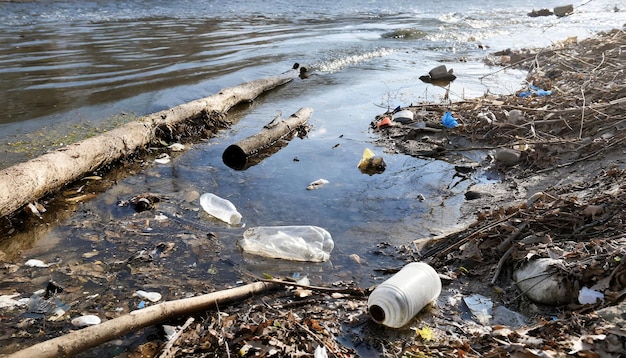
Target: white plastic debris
column 36, row 209
column 163, row 158
column 150, row 296
column 320, row 352
column 87, row 320
column 7, row 301
column 36, row 263
column 220, row 208
column 587, row 296
column 177, row 147
column 480, row 306
column 297, row 243
column 317, row 184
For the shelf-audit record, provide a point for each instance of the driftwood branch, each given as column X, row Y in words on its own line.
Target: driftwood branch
column 81, row 340
column 237, row 155
column 27, row 182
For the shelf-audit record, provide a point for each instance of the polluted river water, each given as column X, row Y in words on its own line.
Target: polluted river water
column 358, row 70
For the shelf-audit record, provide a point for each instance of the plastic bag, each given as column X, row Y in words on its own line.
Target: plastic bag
column 297, row 243
column 448, row 121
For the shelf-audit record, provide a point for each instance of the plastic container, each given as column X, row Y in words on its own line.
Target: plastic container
column 397, row 300
column 220, row 208
column 296, row 243
column 403, row 116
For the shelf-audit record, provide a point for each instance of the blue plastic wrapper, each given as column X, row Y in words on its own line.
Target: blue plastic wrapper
column 534, row 90
column 448, row 121
column 540, row 92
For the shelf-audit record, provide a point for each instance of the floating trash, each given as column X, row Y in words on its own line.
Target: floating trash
column 317, row 184
column 371, row 164
column 297, row 243
column 220, row 208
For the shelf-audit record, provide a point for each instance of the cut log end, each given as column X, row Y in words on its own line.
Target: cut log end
column 235, row 157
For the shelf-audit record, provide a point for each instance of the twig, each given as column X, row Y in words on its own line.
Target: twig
column 77, row 341
column 351, row 291
column 582, row 158
column 503, row 259
column 167, row 350
column 512, row 237
column 437, row 250
column 219, row 321
column 582, row 115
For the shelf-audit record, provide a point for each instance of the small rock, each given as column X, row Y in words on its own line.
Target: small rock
column 507, row 156
column 561, row 11
column 593, row 211
column 506, row 317
column 542, row 12
column 515, row 116
column 472, row 195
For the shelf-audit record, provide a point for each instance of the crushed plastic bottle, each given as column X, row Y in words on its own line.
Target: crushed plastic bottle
column 397, row 300
column 297, row 243
column 220, row 208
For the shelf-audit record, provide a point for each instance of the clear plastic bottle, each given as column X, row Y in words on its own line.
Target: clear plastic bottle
column 220, row 208
column 297, row 243
column 397, row 300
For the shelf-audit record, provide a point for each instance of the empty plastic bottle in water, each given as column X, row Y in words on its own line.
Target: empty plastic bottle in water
column 397, row 300
column 220, row 208
column 297, row 243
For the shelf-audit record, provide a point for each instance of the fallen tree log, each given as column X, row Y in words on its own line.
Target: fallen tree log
column 83, row 339
column 238, row 155
column 27, row 182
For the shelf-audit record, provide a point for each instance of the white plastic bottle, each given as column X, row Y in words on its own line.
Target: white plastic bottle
column 397, row 300
column 220, row 208
column 297, row 243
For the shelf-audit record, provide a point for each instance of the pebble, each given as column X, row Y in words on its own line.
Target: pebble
column 507, row 156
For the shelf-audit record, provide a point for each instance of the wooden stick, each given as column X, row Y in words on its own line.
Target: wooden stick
column 27, row 182
column 83, row 339
column 237, row 155
column 167, row 351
